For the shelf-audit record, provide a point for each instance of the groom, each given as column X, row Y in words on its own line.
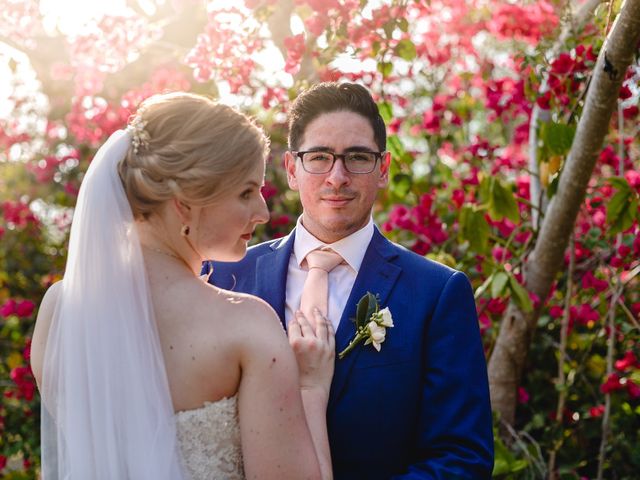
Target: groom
column 418, row 408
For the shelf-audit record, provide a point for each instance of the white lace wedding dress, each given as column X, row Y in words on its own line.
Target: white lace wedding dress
column 209, row 440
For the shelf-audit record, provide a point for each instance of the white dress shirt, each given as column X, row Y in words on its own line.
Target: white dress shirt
column 341, row 278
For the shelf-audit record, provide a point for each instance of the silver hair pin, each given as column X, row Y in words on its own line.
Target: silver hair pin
column 139, row 136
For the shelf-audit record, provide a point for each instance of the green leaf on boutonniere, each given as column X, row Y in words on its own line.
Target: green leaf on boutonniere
column 367, row 306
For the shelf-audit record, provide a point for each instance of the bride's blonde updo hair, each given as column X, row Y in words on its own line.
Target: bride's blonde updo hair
column 188, row 147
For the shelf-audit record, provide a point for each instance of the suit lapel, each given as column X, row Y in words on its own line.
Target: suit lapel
column 271, row 274
column 377, row 275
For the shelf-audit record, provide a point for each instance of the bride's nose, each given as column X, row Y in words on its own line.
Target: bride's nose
column 261, row 214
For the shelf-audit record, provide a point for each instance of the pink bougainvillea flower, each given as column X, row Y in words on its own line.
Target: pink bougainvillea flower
column 633, row 177
column 612, row 384
column 25, row 308
column 523, row 395
column 633, row 389
column 8, row 308
column 627, row 362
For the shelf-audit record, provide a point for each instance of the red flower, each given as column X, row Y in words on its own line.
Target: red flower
column 585, row 314
column 9, row 308
column 633, row 177
column 628, row 361
column 23, row 378
column 279, row 220
column 295, row 46
column 25, row 308
column 3, row 462
column 268, row 190
column 523, row 395
column 596, row 411
column 612, row 384
column 496, row 306
column 26, row 353
column 457, row 197
column 500, row 254
column 590, row 281
column 556, row 311
column 563, row 65
column 317, row 24
column 633, row 390
column 625, row 92
column 631, row 112
column 431, row 122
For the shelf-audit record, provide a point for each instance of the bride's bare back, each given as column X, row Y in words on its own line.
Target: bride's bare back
column 214, row 343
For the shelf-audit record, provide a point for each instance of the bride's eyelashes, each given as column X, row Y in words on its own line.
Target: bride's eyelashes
column 246, row 194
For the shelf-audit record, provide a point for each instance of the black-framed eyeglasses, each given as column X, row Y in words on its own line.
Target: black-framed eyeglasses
column 320, row 161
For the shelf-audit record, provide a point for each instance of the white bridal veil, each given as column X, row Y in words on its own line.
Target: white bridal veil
column 106, row 411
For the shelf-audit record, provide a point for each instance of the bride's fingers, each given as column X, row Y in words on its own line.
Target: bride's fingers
column 321, row 324
column 293, row 330
column 305, row 327
column 331, row 337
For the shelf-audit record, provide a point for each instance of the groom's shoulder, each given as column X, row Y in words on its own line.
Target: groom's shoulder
column 250, row 258
column 419, row 265
column 263, row 248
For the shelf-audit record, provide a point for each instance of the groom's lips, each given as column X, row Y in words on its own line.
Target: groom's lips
column 247, row 236
column 337, row 200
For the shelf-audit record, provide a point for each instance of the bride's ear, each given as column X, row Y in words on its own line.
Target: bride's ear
column 183, row 210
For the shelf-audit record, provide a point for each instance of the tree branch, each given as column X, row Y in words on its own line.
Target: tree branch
column 517, row 327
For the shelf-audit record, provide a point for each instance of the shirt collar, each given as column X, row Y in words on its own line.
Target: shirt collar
column 352, row 247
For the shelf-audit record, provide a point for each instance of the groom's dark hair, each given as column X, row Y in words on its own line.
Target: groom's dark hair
column 330, row 97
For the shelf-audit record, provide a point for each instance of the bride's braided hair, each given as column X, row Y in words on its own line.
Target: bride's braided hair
column 188, row 147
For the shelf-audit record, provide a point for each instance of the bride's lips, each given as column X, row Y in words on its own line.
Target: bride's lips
column 246, row 236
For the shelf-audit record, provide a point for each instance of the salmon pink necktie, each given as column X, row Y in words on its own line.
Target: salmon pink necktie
column 315, row 292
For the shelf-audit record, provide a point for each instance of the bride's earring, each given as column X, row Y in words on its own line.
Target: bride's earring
column 184, row 231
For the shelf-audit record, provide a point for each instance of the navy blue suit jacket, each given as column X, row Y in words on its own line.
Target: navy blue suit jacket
column 420, row 407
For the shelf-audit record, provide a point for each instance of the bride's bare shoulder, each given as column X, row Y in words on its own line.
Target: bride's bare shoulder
column 236, row 306
column 41, row 330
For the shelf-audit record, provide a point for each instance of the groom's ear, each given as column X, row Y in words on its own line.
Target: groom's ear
column 290, row 167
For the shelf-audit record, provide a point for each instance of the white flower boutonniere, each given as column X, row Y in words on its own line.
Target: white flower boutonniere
column 371, row 324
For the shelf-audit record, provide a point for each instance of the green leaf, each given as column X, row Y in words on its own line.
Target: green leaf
column 622, row 210
column 394, row 145
column 519, row 465
column 557, row 137
column 385, row 68
column 520, row 295
column 367, row 305
column 401, row 184
column 553, row 185
column 482, row 288
column 375, row 47
column 389, row 27
column 502, row 202
column 386, row 111
column 406, row 50
column 474, row 228
column 620, row 183
column 403, row 24
column 498, row 283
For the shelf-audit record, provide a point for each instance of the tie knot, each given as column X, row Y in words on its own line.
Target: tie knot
column 325, row 260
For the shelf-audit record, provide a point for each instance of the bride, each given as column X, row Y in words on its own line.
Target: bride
column 145, row 370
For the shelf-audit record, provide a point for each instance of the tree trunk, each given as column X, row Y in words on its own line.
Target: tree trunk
column 517, row 328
